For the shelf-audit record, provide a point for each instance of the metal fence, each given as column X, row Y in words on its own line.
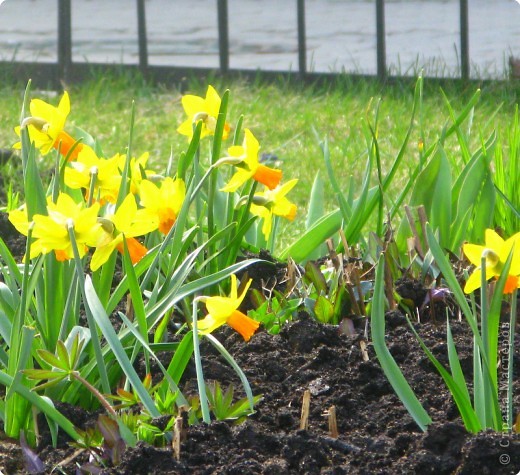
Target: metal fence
column 67, row 70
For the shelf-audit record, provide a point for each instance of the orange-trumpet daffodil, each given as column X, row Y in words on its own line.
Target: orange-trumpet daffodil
column 46, row 127
column 496, row 251
column 163, row 203
column 126, row 222
column 273, row 203
column 205, row 110
column 245, row 157
column 51, row 232
column 224, row 310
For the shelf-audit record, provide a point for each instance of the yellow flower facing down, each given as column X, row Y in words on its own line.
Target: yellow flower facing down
column 105, row 172
column 46, row 127
column 245, row 157
column 163, row 203
column 126, row 222
column 224, row 310
column 204, row 109
column 274, row 203
column 51, row 233
column 495, row 251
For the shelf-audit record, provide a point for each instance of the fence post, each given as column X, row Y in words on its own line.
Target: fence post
column 302, row 48
column 380, row 39
column 223, row 35
column 464, row 40
column 64, row 39
column 141, row 35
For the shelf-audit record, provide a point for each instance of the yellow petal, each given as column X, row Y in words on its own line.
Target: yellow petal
column 103, row 253
column 193, row 105
column 473, row 252
column 493, row 240
column 512, row 242
column 221, row 307
column 237, row 180
column 474, row 281
column 209, row 324
column 212, row 101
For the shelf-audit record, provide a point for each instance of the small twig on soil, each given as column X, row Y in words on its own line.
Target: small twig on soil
column 334, row 257
column 69, row 459
column 179, row 433
column 333, row 425
column 306, row 404
column 364, row 352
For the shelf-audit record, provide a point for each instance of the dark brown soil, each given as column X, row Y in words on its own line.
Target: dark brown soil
column 376, row 433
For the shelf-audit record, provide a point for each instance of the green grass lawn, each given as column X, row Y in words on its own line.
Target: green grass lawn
column 288, row 121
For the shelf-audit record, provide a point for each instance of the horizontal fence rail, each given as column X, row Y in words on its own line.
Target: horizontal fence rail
column 67, row 70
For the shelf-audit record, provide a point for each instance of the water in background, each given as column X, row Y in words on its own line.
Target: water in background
column 263, row 34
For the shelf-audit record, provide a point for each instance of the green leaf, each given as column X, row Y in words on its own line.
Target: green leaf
column 41, row 404
column 388, row 364
column 315, row 211
column 469, row 416
column 323, row 309
column 102, row 320
column 53, row 360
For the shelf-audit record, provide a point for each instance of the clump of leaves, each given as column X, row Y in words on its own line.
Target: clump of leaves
column 274, row 312
column 222, row 406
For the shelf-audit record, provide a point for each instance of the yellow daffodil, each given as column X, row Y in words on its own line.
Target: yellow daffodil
column 125, row 223
column 204, row 109
column 138, row 171
column 223, row 310
column 273, row 203
column 245, row 157
column 51, row 233
column 495, row 251
column 162, row 203
column 104, row 172
column 46, row 127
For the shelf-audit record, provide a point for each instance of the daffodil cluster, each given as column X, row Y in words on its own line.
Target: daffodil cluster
column 265, row 204
column 91, row 212
column 245, row 158
column 93, row 215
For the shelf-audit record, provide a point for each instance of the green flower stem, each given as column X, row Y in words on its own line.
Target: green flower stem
column 510, row 361
column 484, row 331
column 484, row 309
column 90, row 319
column 127, row 172
column 93, row 180
column 215, row 154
